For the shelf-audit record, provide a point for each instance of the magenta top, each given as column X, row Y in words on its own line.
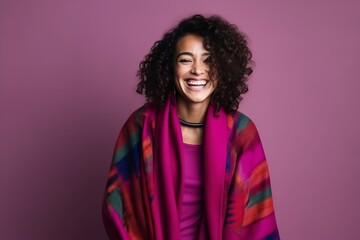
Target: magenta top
column 193, row 192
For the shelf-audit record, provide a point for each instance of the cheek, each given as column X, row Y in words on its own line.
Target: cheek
column 176, row 79
column 181, row 70
column 176, row 75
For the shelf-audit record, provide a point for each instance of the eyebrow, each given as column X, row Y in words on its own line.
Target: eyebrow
column 190, row 54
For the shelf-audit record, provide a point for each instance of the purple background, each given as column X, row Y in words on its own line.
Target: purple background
column 67, row 71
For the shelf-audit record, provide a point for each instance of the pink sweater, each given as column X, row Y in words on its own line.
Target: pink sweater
column 193, row 198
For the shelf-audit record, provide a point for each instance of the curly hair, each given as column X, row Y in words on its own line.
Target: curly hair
column 230, row 61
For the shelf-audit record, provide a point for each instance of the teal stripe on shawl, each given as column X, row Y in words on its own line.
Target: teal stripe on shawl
column 243, row 121
column 134, row 138
column 114, row 199
column 259, row 197
column 124, row 150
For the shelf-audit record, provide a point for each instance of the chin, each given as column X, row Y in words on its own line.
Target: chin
column 197, row 99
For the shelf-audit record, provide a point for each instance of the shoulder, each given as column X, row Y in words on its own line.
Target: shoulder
column 137, row 117
column 244, row 129
column 241, row 122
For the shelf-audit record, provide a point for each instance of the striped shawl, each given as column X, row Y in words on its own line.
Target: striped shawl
column 143, row 196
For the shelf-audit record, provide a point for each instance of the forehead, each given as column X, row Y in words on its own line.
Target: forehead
column 190, row 43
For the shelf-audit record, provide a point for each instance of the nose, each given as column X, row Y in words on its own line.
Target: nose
column 198, row 68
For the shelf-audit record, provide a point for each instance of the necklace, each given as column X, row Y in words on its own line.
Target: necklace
column 191, row 124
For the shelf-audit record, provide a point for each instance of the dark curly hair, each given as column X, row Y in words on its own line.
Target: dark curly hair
column 230, row 61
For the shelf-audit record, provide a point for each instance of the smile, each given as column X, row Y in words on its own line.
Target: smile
column 196, row 83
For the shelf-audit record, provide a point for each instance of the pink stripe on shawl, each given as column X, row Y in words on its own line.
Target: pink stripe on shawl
column 259, row 229
column 167, row 172
column 250, row 158
column 117, row 222
column 216, row 137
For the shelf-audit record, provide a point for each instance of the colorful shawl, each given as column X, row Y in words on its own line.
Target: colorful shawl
column 143, row 196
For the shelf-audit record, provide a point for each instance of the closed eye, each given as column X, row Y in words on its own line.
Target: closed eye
column 184, row 60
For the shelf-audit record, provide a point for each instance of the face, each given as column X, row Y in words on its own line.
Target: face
column 192, row 71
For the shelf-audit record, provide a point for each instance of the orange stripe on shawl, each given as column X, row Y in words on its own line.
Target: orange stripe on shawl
column 259, row 174
column 258, row 211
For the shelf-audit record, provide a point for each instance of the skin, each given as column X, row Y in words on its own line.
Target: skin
column 193, row 85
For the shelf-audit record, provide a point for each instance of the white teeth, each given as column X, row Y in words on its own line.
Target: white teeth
column 196, row 82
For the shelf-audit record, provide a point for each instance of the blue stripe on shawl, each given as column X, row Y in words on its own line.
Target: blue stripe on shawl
column 129, row 164
column 272, row 236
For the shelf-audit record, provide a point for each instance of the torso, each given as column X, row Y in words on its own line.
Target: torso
column 193, row 197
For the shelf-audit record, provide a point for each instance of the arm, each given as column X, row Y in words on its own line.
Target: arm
column 250, row 207
column 123, row 176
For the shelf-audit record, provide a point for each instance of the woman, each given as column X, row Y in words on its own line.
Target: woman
column 188, row 165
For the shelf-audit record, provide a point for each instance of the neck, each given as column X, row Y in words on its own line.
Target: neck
column 192, row 112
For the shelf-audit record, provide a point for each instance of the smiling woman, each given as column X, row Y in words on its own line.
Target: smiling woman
column 187, row 164
column 192, row 73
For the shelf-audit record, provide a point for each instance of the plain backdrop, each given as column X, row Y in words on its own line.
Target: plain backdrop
column 67, row 84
